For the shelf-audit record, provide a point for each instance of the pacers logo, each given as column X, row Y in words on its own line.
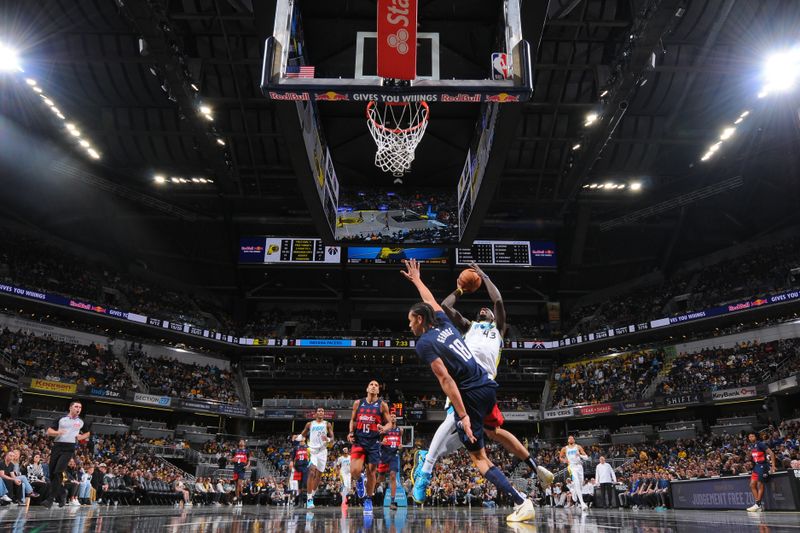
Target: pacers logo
column 399, row 41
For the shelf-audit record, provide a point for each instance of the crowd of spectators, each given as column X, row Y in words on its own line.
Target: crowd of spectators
column 47, row 358
column 606, row 379
column 758, row 273
column 748, row 363
column 174, row 378
column 290, row 322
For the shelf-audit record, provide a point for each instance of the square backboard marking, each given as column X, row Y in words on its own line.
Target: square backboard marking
column 362, row 36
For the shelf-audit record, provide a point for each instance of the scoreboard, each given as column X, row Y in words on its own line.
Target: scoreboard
column 537, row 254
column 274, row 250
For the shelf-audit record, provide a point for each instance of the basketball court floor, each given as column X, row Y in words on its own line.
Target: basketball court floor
column 333, row 520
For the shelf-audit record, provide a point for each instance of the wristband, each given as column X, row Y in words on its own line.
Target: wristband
column 462, row 417
column 460, row 291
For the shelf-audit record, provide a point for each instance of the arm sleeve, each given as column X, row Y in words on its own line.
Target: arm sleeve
column 442, row 316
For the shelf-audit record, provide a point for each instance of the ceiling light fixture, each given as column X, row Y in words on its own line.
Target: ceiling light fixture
column 727, row 133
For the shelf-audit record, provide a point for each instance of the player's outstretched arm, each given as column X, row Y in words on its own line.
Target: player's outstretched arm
column 495, row 296
column 448, row 306
column 306, row 430
column 412, row 274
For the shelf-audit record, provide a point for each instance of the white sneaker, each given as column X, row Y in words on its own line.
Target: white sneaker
column 74, row 503
column 5, row 498
column 545, row 476
column 584, row 507
column 522, row 512
column 755, row 508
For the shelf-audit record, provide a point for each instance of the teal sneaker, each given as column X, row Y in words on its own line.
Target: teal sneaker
column 423, row 479
column 419, row 460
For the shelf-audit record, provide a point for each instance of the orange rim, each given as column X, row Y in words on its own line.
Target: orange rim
column 424, row 104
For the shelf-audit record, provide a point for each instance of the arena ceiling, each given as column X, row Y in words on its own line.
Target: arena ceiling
column 663, row 76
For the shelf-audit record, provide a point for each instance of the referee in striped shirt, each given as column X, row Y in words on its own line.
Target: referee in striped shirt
column 66, row 431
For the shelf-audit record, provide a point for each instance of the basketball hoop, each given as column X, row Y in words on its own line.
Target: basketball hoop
column 397, row 129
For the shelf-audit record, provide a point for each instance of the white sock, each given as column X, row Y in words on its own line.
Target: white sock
column 427, row 466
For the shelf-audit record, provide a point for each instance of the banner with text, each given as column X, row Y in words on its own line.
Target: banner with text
column 595, row 409
column 563, row 412
column 682, row 399
column 734, row 493
column 151, row 399
column 733, row 394
column 54, row 386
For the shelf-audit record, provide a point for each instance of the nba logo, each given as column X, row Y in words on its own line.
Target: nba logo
column 501, row 66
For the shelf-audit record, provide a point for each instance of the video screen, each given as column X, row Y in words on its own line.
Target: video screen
column 397, row 217
column 378, row 255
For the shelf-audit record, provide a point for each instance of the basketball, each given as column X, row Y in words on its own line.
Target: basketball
column 469, row 280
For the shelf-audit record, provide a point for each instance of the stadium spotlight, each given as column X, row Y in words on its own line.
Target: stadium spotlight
column 158, row 178
column 714, row 147
column 590, row 118
column 576, row 146
column 727, row 133
column 30, row 81
column 9, row 61
column 93, row 153
column 609, row 185
column 85, row 143
column 204, row 109
column 220, row 142
column 781, row 71
column 636, row 186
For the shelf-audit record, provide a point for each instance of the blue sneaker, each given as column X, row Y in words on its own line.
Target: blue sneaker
column 421, row 486
column 368, row 506
column 361, row 490
column 419, row 460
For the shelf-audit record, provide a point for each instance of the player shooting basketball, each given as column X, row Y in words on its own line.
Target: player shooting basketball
column 484, row 338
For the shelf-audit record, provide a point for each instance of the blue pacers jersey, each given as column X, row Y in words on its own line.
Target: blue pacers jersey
column 445, row 343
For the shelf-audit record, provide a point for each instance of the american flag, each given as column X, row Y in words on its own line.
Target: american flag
column 293, row 71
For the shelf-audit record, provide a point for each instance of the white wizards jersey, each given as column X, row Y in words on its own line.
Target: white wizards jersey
column 485, row 341
column 316, row 432
column 574, row 455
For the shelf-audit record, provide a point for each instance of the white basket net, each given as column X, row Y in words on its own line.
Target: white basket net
column 397, row 129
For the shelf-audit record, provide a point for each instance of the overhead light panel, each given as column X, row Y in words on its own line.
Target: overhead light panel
column 30, row 81
column 590, row 118
column 727, row 133
column 93, row 153
column 636, row 186
column 84, row 143
column 9, row 60
column 204, row 109
column 37, row 89
column 220, row 142
column 781, row 71
column 576, row 146
column 158, row 178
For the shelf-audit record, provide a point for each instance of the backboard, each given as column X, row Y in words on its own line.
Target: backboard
column 305, row 60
